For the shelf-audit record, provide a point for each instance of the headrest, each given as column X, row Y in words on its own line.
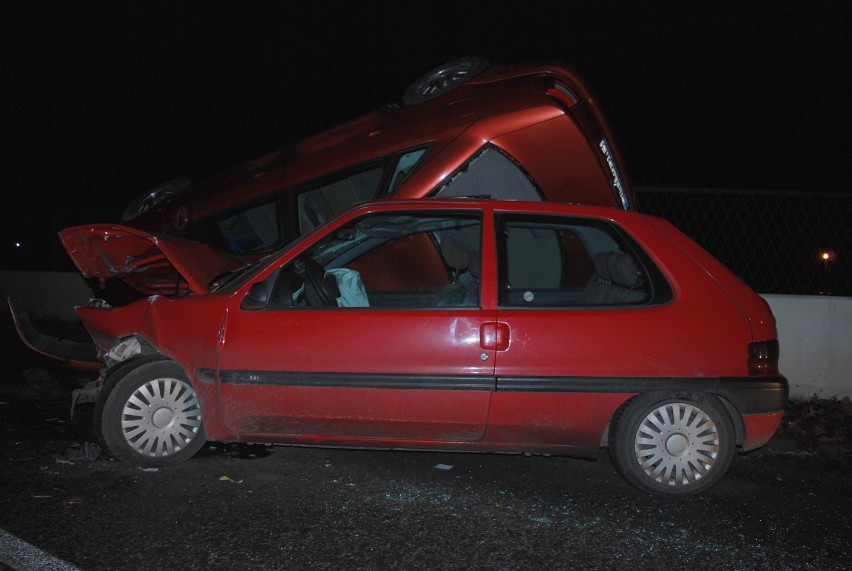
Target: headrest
column 475, row 266
column 454, row 253
column 619, row 268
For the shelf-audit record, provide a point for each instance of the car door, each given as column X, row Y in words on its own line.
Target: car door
column 371, row 333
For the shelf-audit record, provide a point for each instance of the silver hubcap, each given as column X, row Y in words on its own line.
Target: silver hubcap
column 677, row 444
column 161, row 417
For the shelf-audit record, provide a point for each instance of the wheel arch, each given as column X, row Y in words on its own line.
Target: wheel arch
column 735, row 416
column 736, row 420
column 146, row 352
column 115, row 373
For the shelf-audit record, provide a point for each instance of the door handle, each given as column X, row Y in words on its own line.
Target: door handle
column 494, row 336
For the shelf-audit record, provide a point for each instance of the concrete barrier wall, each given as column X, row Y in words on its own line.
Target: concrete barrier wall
column 815, row 332
column 45, row 294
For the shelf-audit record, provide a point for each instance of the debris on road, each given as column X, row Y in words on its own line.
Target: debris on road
column 815, row 422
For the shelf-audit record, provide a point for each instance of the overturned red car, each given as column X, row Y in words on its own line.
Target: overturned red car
column 458, row 324
column 530, row 131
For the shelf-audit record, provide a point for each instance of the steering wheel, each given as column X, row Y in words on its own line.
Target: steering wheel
column 320, row 289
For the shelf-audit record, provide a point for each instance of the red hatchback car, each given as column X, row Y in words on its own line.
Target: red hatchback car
column 524, row 132
column 471, row 325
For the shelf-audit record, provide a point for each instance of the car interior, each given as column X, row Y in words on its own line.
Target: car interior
column 425, row 260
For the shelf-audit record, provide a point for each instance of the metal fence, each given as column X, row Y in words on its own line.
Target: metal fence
column 777, row 242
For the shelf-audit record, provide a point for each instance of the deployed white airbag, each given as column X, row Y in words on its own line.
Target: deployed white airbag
column 352, row 292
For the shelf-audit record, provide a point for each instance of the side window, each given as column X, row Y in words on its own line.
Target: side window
column 489, row 174
column 557, row 262
column 322, row 203
column 381, row 262
column 250, row 230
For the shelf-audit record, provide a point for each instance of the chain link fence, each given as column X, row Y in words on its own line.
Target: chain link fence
column 777, row 242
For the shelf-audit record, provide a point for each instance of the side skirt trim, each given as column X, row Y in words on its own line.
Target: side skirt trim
column 749, row 395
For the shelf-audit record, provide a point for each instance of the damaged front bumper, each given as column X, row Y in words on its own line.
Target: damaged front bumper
column 118, row 353
column 63, row 353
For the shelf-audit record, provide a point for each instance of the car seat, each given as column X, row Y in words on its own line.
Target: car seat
column 617, row 281
column 463, row 290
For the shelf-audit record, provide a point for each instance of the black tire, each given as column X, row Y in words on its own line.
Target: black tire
column 153, row 197
column 111, row 377
column 149, row 416
column 673, row 444
column 444, row 79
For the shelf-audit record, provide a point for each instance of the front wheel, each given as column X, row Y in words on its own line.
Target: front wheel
column 150, row 417
column 672, row 444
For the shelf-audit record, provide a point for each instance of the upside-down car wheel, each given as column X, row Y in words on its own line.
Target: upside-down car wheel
column 444, row 79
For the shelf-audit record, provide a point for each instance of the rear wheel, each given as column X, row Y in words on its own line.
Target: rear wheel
column 444, row 79
column 150, row 417
column 672, row 444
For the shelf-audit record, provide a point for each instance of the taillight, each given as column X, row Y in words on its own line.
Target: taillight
column 557, row 90
column 763, row 358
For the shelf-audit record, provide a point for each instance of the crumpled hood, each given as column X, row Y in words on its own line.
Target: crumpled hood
column 150, row 263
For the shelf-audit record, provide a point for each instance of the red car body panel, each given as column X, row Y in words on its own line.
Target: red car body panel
column 558, row 146
column 759, row 428
column 444, row 344
column 478, row 378
column 151, row 264
column 762, row 321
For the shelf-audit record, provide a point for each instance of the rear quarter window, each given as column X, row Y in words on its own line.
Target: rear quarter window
column 490, row 174
column 573, row 263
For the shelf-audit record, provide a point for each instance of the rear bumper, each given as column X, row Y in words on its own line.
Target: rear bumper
column 760, row 402
column 759, row 428
column 754, row 395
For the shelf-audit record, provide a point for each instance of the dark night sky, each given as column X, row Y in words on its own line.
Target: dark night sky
column 101, row 101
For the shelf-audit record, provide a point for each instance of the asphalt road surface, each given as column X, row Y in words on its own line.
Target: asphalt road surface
column 255, row 507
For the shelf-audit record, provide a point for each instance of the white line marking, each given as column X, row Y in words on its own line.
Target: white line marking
column 21, row 556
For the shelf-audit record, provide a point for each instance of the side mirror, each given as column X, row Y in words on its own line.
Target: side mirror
column 256, row 298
